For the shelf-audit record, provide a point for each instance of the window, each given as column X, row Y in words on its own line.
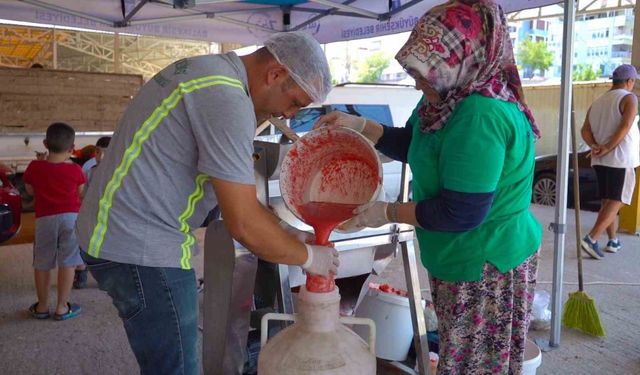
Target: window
column 305, row 118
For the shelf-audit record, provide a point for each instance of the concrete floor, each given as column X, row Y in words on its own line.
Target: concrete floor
column 95, row 342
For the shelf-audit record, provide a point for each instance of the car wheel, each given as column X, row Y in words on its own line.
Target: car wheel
column 544, row 189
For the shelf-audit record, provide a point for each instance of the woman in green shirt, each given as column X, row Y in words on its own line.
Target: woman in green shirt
column 470, row 145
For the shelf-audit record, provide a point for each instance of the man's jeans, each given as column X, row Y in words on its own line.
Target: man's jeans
column 160, row 313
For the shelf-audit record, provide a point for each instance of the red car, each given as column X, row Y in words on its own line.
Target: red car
column 10, row 208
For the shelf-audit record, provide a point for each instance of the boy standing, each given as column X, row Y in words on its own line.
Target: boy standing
column 89, row 167
column 57, row 185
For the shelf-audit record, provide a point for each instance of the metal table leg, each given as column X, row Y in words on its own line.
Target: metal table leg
column 229, row 275
column 410, row 264
column 415, row 303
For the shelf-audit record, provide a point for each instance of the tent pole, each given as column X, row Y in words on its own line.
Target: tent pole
column 635, row 52
column 54, row 49
column 559, row 226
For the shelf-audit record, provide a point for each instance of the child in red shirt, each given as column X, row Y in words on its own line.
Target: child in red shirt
column 57, row 185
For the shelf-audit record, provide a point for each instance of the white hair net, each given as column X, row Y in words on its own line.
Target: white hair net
column 305, row 60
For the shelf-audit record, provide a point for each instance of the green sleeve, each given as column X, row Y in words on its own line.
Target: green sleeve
column 472, row 154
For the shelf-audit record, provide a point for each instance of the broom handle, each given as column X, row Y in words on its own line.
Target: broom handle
column 576, row 193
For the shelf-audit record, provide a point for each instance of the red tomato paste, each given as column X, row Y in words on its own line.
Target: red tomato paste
column 324, row 217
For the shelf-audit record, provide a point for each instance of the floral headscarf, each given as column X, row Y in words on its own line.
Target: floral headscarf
column 460, row 48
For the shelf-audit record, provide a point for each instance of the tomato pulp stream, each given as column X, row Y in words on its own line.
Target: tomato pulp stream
column 324, row 217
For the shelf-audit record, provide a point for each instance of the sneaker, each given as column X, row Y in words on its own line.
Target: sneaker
column 80, row 279
column 613, row 246
column 591, row 248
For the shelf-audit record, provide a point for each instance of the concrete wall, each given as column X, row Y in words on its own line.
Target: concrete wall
column 31, row 99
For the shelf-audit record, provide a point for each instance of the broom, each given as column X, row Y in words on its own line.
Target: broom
column 580, row 311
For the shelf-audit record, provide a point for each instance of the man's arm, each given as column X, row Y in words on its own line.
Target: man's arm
column 254, row 226
column 629, row 109
column 587, row 133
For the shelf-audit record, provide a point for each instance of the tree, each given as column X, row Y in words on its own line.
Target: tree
column 535, row 55
column 371, row 69
column 585, row 72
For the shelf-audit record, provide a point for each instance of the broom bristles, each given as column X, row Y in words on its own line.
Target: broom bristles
column 581, row 313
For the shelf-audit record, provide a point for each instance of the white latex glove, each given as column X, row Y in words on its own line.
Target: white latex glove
column 372, row 215
column 300, row 235
column 321, row 260
column 341, row 119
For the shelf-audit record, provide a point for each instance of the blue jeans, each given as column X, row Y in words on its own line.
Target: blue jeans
column 159, row 309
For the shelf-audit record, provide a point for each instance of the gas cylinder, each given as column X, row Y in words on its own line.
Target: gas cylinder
column 318, row 342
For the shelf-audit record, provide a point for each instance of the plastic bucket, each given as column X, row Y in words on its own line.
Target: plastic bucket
column 532, row 358
column 394, row 330
column 332, row 165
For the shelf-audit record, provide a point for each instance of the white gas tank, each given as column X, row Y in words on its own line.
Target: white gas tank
column 318, row 342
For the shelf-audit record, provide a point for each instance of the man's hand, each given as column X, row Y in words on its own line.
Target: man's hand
column 321, row 260
column 41, row 155
column 372, row 215
column 340, row 119
column 600, row 150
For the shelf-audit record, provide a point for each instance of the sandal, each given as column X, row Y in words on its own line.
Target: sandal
column 38, row 315
column 73, row 311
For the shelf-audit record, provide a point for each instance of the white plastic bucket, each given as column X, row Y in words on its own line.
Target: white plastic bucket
column 334, row 165
column 394, row 330
column 532, row 358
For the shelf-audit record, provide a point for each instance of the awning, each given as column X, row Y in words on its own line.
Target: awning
column 245, row 22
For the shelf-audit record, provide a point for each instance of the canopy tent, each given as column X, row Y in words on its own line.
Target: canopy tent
column 234, row 21
column 250, row 22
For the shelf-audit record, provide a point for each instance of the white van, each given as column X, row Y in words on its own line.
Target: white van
column 389, row 105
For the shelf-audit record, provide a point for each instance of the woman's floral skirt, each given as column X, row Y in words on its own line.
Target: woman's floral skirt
column 483, row 324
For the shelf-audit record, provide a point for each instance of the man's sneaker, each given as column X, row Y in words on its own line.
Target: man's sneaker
column 591, row 248
column 613, row 246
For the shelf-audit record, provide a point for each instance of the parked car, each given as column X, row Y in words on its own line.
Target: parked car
column 10, row 209
column 544, row 181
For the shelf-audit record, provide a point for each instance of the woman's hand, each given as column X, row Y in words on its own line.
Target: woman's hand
column 372, row 215
column 369, row 128
column 341, row 119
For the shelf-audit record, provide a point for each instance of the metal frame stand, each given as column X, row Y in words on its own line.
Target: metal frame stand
column 410, row 264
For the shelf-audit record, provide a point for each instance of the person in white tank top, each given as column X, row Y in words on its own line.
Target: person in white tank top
column 612, row 133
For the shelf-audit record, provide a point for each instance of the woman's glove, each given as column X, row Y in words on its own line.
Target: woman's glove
column 341, row 119
column 372, row 214
column 321, row 260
